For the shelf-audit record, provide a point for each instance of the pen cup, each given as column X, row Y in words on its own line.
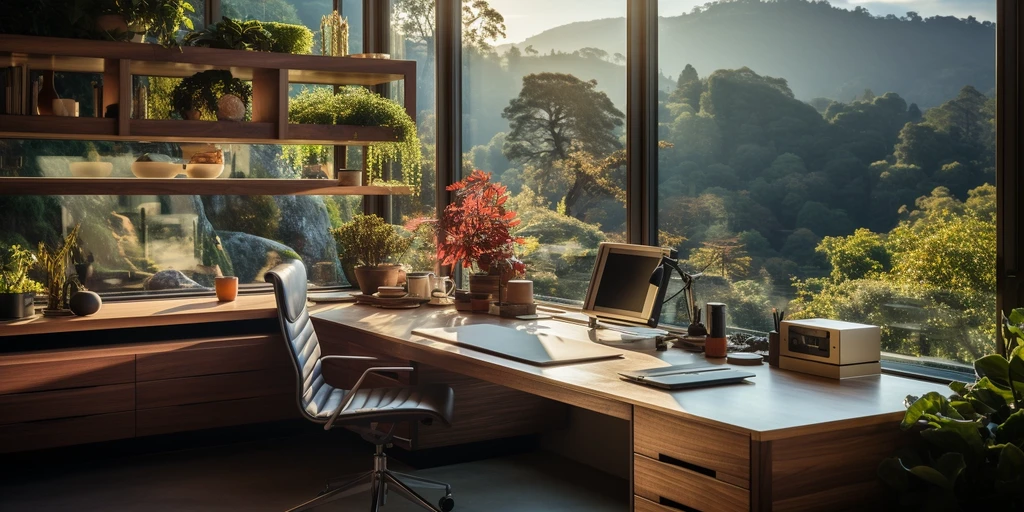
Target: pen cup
column 773, row 349
column 227, row 288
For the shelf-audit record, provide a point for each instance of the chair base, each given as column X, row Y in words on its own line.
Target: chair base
column 379, row 482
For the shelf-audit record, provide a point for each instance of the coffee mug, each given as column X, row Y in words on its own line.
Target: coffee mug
column 65, row 107
column 227, row 288
column 419, row 284
column 443, row 284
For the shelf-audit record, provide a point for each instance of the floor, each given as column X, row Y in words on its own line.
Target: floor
column 277, row 473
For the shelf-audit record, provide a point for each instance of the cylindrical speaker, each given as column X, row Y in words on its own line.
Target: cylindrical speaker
column 716, row 319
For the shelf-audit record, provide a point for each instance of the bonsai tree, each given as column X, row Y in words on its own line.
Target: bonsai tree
column 15, row 264
column 373, row 246
column 970, row 457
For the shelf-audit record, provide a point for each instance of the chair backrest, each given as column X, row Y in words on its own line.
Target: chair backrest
column 289, row 280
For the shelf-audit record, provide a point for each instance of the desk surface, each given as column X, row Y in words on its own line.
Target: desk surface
column 776, row 404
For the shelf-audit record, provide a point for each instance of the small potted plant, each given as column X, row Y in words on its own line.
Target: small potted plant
column 232, row 34
column 17, row 290
column 160, row 18
column 202, row 96
column 54, row 262
column 476, row 231
column 375, row 246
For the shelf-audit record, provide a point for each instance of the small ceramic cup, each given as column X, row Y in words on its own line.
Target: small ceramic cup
column 65, row 108
column 227, row 288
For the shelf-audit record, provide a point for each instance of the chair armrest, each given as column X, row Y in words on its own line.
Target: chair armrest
column 356, row 358
column 352, row 393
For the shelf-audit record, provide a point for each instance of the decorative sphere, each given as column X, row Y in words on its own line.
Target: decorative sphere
column 230, row 108
column 85, row 303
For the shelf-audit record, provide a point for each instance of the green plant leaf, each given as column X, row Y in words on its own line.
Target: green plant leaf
column 894, row 474
column 1010, row 471
column 959, row 388
column 931, row 403
column 956, row 436
column 995, row 367
column 1011, row 430
column 1016, row 365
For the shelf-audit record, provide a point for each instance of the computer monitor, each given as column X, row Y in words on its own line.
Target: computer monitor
column 621, row 285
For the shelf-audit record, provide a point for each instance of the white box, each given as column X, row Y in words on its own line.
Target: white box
column 830, row 348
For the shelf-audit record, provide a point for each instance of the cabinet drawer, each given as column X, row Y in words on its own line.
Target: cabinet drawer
column 646, row 505
column 215, row 388
column 66, row 373
column 725, row 454
column 67, row 431
column 242, row 355
column 654, row 480
column 66, row 403
column 183, row 418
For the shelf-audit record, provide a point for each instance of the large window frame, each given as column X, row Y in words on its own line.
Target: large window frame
column 641, row 123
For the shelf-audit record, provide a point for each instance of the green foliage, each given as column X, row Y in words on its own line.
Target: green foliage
column 15, row 264
column 232, row 34
column 159, row 100
column 160, row 18
column 370, row 241
column 289, row 38
column 202, row 90
column 970, row 458
column 264, row 10
column 358, row 107
column 306, row 154
column 54, row 262
column 255, row 215
column 861, row 255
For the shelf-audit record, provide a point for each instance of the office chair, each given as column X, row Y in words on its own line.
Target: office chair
column 359, row 407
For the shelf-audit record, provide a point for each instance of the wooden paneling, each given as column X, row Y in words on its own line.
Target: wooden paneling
column 67, row 431
column 654, row 480
column 726, row 453
column 24, row 375
column 486, row 411
column 182, row 418
column 645, row 505
column 240, row 355
column 214, row 388
column 837, row 469
column 66, row 403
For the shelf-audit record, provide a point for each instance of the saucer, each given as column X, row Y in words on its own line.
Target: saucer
column 437, row 301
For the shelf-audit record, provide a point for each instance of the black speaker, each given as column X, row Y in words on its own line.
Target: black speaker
column 716, row 319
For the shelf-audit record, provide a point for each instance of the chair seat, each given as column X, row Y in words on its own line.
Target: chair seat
column 406, row 403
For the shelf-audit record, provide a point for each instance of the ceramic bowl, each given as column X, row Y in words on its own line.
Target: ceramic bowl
column 204, row 171
column 91, row 169
column 155, row 169
column 391, row 292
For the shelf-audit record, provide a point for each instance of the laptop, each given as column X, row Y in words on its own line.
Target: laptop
column 686, row 376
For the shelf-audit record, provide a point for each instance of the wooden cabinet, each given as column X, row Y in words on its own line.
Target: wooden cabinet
column 65, row 397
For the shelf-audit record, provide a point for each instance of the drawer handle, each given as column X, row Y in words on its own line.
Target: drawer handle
column 665, row 502
column 687, row 465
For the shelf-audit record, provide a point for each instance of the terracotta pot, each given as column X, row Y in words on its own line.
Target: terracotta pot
column 371, row 278
column 227, row 288
column 112, row 23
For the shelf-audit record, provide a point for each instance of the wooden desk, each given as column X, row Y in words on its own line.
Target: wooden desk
column 785, row 441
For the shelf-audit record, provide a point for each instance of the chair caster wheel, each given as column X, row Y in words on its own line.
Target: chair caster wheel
column 446, row 503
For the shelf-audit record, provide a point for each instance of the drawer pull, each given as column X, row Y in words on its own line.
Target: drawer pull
column 687, row 465
column 679, row 506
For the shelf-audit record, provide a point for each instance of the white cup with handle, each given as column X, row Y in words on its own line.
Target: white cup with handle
column 420, row 284
column 442, row 284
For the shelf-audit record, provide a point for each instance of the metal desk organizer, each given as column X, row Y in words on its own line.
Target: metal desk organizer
column 830, row 348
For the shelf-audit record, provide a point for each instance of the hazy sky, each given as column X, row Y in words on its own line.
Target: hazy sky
column 524, row 18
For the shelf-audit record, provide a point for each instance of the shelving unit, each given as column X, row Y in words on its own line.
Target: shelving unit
column 271, row 75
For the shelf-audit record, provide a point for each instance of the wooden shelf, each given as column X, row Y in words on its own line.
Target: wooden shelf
column 187, row 187
column 58, row 127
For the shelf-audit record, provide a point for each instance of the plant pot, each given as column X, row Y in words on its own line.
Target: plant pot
column 315, row 172
column 16, row 305
column 350, row 178
column 349, row 269
column 371, row 278
column 113, row 24
column 483, row 283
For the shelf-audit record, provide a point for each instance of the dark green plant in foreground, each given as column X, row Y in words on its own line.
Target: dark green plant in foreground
column 232, row 34
column 288, row 38
column 202, row 90
column 970, row 457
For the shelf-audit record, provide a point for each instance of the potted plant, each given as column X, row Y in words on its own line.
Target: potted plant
column 357, row 106
column 159, row 18
column 289, row 38
column 476, row 231
column 969, row 456
column 54, row 262
column 17, row 290
column 374, row 246
column 232, row 35
column 200, row 96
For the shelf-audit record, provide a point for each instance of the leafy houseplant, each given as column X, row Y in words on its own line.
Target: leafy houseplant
column 197, row 96
column 971, row 457
column 288, row 38
column 232, row 35
column 54, row 261
column 17, row 290
column 357, row 106
column 160, row 18
column 371, row 244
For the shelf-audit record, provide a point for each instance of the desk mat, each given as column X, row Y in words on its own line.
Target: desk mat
column 538, row 349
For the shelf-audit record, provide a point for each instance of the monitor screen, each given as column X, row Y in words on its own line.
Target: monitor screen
column 620, row 286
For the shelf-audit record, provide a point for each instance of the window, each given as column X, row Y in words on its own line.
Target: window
column 815, row 170
column 543, row 111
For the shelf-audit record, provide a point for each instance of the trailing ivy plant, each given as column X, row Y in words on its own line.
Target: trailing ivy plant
column 970, row 457
column 232, row 34
column 202, row 90
column 359, row 107
column 306, row 154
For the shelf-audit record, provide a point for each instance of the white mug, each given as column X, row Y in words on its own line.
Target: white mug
column 65, row 108
column 441, row 284
column 419, row 284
